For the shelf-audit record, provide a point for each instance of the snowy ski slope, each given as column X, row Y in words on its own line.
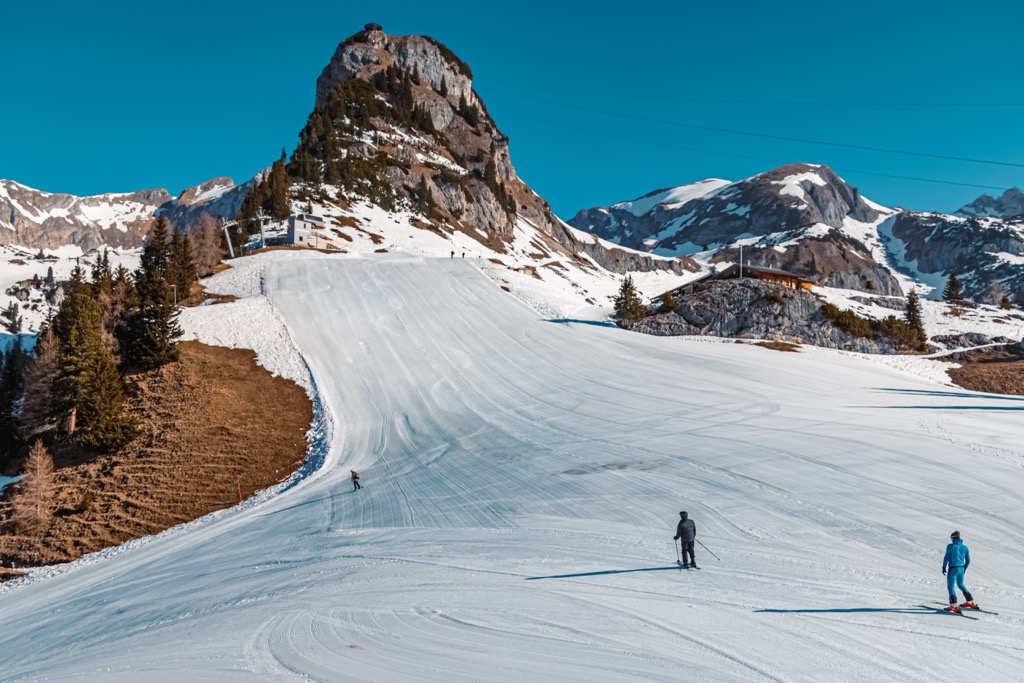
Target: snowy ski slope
column 522, row 480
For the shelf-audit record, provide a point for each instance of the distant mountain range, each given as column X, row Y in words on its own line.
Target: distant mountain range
column 48, row 220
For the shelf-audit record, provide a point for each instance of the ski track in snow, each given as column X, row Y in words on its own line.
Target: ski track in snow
column 522, row 479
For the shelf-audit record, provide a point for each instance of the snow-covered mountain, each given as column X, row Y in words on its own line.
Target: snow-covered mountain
column 805, row 219
column 47, row 220
column 802, row 218
column 35, row 219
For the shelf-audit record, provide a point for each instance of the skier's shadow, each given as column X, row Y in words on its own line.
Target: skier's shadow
column 603, row 572
column 847, row 610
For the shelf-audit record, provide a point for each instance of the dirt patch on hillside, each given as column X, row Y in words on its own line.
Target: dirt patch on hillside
column 778, row 346
column 213, row 426
column 996, row 370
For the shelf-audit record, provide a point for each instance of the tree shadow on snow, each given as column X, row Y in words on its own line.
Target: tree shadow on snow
column 603, row 572
column 951, row 394
column 569, row 321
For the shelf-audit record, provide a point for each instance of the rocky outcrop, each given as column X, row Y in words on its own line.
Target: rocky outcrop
column 753, row 309
column 981, row 251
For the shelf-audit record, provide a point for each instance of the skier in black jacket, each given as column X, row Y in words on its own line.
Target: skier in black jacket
column 686, row 532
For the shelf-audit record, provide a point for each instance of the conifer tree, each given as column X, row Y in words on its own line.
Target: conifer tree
column 12, row 368
column 953, row 291
column 87, row 384
column 34, row 505
column 1005, row 303
column 152, row 328
column 915, row 320
column 278, row 205
column 668, row 303
column 102, row 276
column 181, row 268
column 629, row 308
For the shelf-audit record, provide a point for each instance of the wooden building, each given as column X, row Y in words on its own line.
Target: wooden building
column 781, row 277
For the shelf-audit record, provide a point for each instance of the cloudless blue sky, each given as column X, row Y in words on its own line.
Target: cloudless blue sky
column 117, row 96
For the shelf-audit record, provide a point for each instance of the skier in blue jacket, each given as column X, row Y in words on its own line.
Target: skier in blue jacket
column 958, row 558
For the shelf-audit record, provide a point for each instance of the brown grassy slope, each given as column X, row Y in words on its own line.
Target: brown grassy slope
column 997, row 371
column 209, row 422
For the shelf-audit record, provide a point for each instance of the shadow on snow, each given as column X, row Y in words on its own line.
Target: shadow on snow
column 603, row 572
column 852, row 610
column 951, row 394
column 573, row 321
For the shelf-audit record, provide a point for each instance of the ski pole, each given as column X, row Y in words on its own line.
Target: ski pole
column 711, row 553
column 677, row 550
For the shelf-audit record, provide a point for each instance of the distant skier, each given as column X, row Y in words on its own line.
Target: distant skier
column 355, row 481
column 957, row 558
column 686, row 532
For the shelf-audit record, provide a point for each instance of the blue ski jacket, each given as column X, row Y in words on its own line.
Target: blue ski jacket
column 957, row 555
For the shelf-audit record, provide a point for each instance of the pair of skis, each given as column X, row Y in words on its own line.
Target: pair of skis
column 959, row 613
column 686, row 566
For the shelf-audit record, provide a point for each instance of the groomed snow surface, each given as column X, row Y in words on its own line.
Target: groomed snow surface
column 522, row 481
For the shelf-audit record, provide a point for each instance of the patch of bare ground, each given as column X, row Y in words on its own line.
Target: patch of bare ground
column 778, row 346
column 213, row 426
column 994, row 370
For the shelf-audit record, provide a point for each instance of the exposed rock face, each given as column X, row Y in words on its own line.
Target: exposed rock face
column 400, row 112
column 753, row 309
column 45, row 220
column 218, row 198
column 1008, row 205
column 979, row 250
column 804, row 219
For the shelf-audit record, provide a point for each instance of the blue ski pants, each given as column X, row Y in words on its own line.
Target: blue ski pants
column 955, row 575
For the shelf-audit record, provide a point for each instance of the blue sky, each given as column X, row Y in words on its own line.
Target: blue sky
column 600, row 105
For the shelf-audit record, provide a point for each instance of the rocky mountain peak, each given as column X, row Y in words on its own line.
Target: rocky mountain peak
column 1008, row 205
column 371, row 50
column 397, row 122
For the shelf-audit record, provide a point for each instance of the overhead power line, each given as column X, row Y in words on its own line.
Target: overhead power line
column 770, row 136
column 773, row 103
column 838, row 169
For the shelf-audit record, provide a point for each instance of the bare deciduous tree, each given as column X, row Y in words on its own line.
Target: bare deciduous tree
column 994, row 293
column 33, row 507
column 207, row 250
column 36, row 415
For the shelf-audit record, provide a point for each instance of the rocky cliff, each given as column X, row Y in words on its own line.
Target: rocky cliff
column 986, row 253
column 48, row 220
column 36, row 219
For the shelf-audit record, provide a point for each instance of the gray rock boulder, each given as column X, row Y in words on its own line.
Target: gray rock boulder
column 752, row 309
